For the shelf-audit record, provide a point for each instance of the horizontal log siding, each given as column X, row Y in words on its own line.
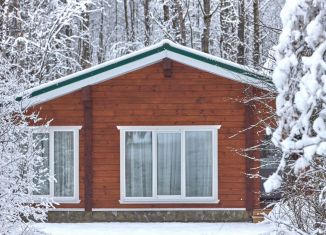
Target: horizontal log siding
column 145, row 97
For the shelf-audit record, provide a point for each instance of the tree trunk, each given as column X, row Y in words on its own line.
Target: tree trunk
column 125, row 4
column 100, row 52
column 146, row 21
column 86, row 50
column 228, row 31
column 181, row 21
column 116, row 20
column 256, row 52
column 241, row 32
column 166, row 13
column 132, row 20
column 207, row 23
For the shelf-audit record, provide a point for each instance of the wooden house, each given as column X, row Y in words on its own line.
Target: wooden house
column 146, row 137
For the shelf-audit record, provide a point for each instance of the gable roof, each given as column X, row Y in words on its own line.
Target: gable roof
column 140, row 59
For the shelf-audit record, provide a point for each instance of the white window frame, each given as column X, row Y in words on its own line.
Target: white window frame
column 159, row 199
column 50, row 130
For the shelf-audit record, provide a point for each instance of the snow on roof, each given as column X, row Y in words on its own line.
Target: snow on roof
column 140, row 59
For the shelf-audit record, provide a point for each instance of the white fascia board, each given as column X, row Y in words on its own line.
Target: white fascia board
column 216, row 70
column 99, row 78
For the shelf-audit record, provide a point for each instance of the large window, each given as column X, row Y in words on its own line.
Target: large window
column 60, row 153
column 168, row 164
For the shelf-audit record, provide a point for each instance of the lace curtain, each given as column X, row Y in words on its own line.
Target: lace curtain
column 198, row 163
column 64, row 163
column 139, row 164
column 169, row 164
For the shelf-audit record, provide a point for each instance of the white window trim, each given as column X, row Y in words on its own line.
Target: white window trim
column 50, row 130
column 169, row 199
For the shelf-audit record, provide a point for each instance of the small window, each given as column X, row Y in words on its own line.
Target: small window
column 168, row 164
column 60, row 152
column 269, row 161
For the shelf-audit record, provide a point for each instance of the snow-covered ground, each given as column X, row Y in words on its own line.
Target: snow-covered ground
column 154, row 228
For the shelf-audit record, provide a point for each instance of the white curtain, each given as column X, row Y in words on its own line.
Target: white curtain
column 42, row 140
column 168, row 163
column 198, row 163
column 64, row 163
column 138, row 164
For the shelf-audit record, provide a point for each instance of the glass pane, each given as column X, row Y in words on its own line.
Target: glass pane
column 139, row 164
column 42, row 171
column 64, row 163
column 168, row 163
column 198, row 163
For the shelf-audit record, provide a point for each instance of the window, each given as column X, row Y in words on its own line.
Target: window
column 60, row 152
column 168, row 164
column 269, row 161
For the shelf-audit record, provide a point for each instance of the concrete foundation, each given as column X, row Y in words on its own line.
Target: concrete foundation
column 149, row 216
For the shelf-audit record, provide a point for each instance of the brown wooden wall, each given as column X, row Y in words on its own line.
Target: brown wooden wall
column 146, row 97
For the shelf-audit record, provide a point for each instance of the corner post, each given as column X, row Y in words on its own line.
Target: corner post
column 88, row 146
column 249, row 142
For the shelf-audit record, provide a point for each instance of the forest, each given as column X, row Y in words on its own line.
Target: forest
column 46, row 39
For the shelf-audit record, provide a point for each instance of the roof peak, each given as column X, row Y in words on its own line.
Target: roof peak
column 139, row 59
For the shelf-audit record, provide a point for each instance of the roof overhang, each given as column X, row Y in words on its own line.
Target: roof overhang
column 140, row 59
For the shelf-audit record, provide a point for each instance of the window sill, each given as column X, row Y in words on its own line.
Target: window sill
column 58, row 200
column 167, row 201
column 66, row 201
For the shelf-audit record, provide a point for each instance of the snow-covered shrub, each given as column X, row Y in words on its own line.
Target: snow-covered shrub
column 300, row 80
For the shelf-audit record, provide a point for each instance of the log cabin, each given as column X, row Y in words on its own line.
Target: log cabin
column 146, row 137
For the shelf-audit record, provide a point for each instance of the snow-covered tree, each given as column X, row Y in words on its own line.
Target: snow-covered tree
column 42, row 39
column 20, row 158
column 300, row 80
column 39, row 41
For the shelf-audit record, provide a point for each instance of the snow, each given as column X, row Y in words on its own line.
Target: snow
column 268, row 131
column 154, row 228
column 272, row 183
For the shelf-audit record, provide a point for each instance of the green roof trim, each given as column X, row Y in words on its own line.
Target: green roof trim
column 213, row 62
column 164, row 46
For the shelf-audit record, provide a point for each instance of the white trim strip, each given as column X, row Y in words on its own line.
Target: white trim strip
column 153, row 200
column 172, row 128
column 168, row 209
column 66, row 209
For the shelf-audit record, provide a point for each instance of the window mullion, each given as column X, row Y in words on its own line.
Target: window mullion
column 76, row 163
column 51, row 165
column 183, row 165
column 123, row 164
column 154, row 169
column 214, row 163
